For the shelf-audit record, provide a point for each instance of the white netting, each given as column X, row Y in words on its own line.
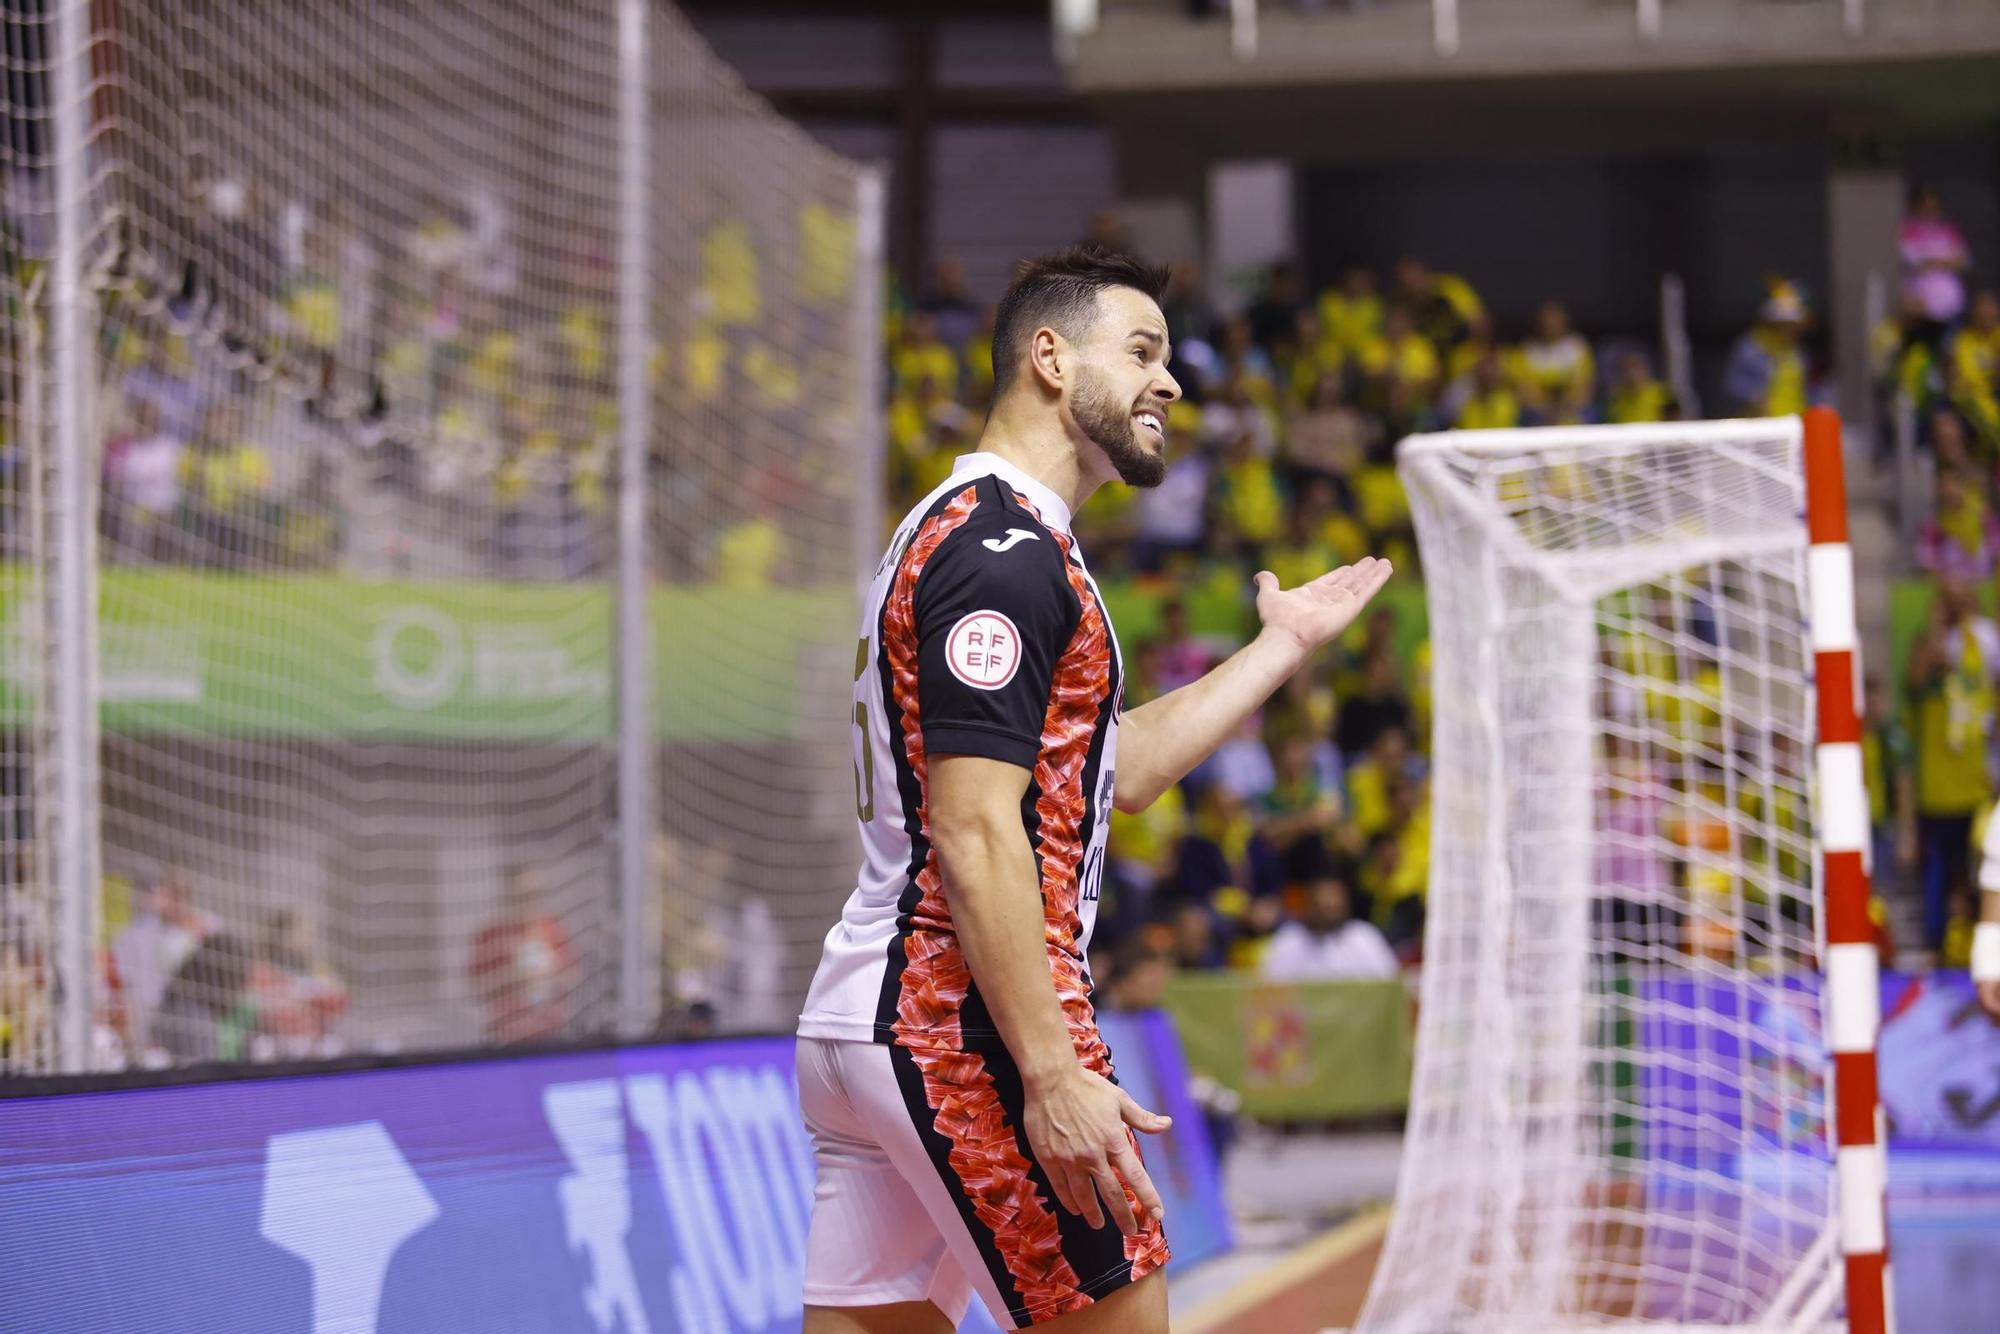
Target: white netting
column 1620, row 1111
column 354, row 274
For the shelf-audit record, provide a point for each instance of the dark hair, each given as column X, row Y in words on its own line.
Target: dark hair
column 1134, row 951
column 1310, row 859
column 213, row 976
column 1060, row 291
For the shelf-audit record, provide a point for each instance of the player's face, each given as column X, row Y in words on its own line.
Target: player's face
column 1122, row 387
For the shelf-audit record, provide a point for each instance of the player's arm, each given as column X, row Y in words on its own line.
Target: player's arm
column 1075, row 1118
column 1986, row 936
column 1162, row 740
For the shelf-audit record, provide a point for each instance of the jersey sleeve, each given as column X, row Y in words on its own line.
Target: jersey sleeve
column 994, row 612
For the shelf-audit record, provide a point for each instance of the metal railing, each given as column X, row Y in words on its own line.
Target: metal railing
column 1077, row 19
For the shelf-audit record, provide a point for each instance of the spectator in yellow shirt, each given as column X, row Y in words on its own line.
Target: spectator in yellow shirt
column 1479, row 341
column 1554, row 369
column 1635, row 396
column 1374, row 778
column 949, row 425
column 1304, row 554
column 826, row 253
column 585, row 340
column 977, row 355
column 1402, row 358
column 922, row 353
column 1949, row 681
column 777, row 378
column 732, row 291
column 1766, row 374
column 1961, row 918
column 1442, row 306
column 1246, row 495
column 1975, row 368
column 1351, row 314
column 913, row 417
column 1314, row 353
column 1380, row 502
column 1493, row 404
column 312, row 303
column 225, row 489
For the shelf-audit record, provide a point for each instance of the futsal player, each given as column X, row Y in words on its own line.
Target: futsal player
column 968, row 1134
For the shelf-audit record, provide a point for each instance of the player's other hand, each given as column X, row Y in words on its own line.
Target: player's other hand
column 1313, row 614
column 1076, row 1125
column 1989, row 998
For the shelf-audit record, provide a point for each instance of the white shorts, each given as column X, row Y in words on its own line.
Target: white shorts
column 917, row 1204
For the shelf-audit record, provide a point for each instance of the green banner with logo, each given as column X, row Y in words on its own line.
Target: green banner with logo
column 323, row 656
column 1305, row 1051
column 329, row 656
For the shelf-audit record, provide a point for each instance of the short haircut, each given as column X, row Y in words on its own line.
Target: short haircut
column 1060, row 291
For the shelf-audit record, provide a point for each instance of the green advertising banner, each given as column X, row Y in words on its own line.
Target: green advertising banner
column 327, row 656
column 1308, row 1051
column 208, row 653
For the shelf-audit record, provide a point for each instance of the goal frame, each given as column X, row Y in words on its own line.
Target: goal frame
column 1840, row 834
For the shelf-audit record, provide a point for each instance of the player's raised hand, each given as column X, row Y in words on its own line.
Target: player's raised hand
column 1313, row 614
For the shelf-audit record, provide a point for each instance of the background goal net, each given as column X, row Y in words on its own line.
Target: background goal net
column 361, row 284
column 1623, row 1104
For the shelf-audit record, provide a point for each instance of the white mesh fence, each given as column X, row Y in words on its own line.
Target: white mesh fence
column 353, row 273
column 1620, row 1112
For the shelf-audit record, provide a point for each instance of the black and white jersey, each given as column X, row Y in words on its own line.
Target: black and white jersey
column 983, row 635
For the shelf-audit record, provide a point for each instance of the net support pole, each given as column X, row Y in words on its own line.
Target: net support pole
column 637, row 987
column 1444, row 27
column 73, row 623
column 870, row 216
column 1853, row 994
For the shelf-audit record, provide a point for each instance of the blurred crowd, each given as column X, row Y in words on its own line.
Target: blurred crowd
column 1302, row 848
column 182, row 982
column 1931, row 729
column 298, row 389
column 441, row 399
column 1299, row 850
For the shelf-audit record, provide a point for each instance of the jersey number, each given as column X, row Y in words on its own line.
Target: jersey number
column 1091, row 883
column 864, row 767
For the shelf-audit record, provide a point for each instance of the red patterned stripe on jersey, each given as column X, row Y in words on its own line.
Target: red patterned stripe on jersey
column 985, row 1154
column 1081, row 691
column 934, row 977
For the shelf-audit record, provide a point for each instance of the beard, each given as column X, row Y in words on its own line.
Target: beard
column 1110, row 427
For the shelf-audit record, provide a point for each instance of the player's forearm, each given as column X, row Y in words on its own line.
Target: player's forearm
column 1161, row 740
column 996, row 909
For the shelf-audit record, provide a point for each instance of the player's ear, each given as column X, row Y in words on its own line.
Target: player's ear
column 1048, row 358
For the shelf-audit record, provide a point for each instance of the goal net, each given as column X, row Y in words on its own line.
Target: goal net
column 359, row 320
column 1623, row 1108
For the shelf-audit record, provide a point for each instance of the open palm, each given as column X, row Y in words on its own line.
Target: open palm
column 1314, row 613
